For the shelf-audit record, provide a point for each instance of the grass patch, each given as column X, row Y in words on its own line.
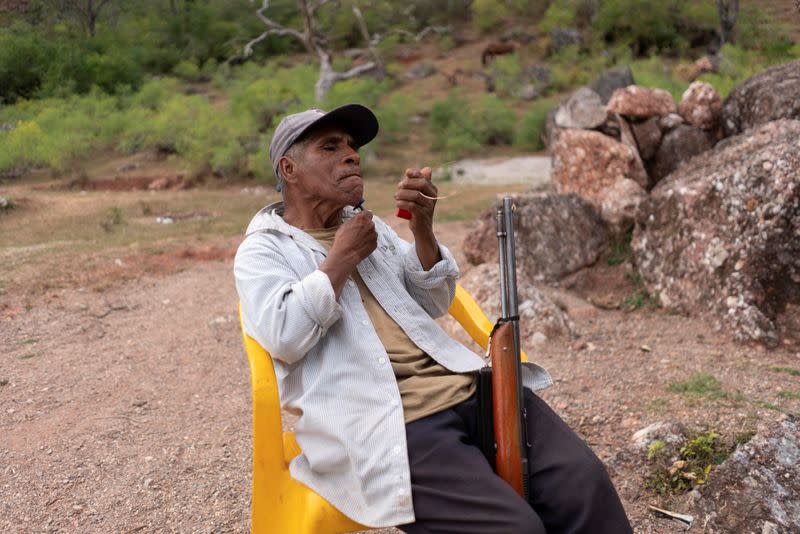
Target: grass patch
column 787, row 370
column 656, row 404
column 699, row 385
column 696, row 458
column 620, row 250
column 30, row 341
column 640, row 296
column 768, row 405
column 28, row 355
column 784, row 394
column 743, row 437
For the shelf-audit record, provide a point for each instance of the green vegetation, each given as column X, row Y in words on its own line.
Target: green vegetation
column 640, row 296
column 788, row 370
column 697, row 457
column 156, row 76
column 619, row 251
column 784, row 394
column 699, row 385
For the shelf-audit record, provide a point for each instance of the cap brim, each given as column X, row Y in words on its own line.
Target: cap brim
column 357, row 120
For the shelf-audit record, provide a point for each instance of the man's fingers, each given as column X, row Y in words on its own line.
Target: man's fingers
column 418, row 184
column 413, row 197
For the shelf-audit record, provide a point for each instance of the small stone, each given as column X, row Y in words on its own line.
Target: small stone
column 147, row 483
column 767, row 165
column 538, row 338
column 646, row 348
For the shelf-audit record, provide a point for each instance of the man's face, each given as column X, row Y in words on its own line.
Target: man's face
column 328, row 168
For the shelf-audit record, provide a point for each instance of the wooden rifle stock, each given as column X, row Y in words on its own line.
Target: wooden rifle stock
column 508, row 407
column 505, row 408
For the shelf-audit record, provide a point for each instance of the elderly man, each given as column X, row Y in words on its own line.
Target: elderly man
column 385, row 400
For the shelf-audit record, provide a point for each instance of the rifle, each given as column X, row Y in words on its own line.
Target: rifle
column 508, row 408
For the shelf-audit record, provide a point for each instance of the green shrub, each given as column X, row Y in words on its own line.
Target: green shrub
column 23, row 59
column 755, row 30
column 654, row 72
column 697, row 457
column 530, row 131
column 494, row 122
column 488, row 14
column 505, row 72
column 393, row 113
column 187, row 70
column 560, row 14
column 454, row 132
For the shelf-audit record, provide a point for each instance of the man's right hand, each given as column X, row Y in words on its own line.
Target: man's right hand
column 354, row 241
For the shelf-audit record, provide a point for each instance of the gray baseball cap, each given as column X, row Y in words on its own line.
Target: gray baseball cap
column 357, row 120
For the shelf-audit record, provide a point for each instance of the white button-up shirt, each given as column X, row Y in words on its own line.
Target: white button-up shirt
column 332, row 370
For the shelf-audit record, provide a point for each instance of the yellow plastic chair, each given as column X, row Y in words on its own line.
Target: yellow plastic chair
column 281, row 504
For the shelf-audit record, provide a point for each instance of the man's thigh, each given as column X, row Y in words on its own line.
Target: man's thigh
column 569, row 486
column 453, row 486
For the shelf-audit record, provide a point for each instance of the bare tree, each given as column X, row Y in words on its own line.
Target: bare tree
column 87, row 12
column 316, row 43
column 728, row 10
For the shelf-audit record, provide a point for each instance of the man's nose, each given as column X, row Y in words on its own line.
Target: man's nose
column 352, row 157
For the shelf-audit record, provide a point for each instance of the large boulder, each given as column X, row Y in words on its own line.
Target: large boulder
column 721, row 234
column 648, row 136
column 641, row 102
column 583, row 109
column 540, row 317
column 677, row 147
column 626, row 137
column 555, row 235
column 767, row 96
column 611, row 80
column 757, row 489
column 602, row 170
column 700, row 106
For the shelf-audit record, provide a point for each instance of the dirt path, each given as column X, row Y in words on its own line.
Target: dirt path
column 128, row 410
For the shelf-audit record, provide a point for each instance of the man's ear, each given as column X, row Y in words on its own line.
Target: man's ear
column 288, row 169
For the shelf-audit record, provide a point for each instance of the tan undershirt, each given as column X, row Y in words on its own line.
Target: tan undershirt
column 426, row 387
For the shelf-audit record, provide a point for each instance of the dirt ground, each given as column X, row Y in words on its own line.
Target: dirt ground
column 126, row 408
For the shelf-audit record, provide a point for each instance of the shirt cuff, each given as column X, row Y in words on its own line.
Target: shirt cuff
column 320, row 295
column 433, row 277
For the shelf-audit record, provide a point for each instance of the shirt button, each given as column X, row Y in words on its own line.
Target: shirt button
column 381, row 360
column 365, row 322
column 401, row 491
column 393, row 402
column 396, row 449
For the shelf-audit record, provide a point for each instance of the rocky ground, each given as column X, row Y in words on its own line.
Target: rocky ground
column 127, row 410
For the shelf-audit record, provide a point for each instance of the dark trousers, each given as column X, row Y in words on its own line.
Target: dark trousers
column 454, row 489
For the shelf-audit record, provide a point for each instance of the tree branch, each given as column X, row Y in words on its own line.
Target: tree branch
column 414, row 36
column 362, row 26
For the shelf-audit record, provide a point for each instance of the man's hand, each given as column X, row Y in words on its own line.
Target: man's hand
column 409, row 197
column 412, row 195
column 354, row 241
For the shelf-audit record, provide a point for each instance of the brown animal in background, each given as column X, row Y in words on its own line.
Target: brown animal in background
column 497, row 48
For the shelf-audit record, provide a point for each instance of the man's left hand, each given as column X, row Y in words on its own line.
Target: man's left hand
column 412, row 195
column 409, row 196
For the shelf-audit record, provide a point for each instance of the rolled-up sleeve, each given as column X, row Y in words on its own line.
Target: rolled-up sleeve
column 435, row 288
column 287, row 314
